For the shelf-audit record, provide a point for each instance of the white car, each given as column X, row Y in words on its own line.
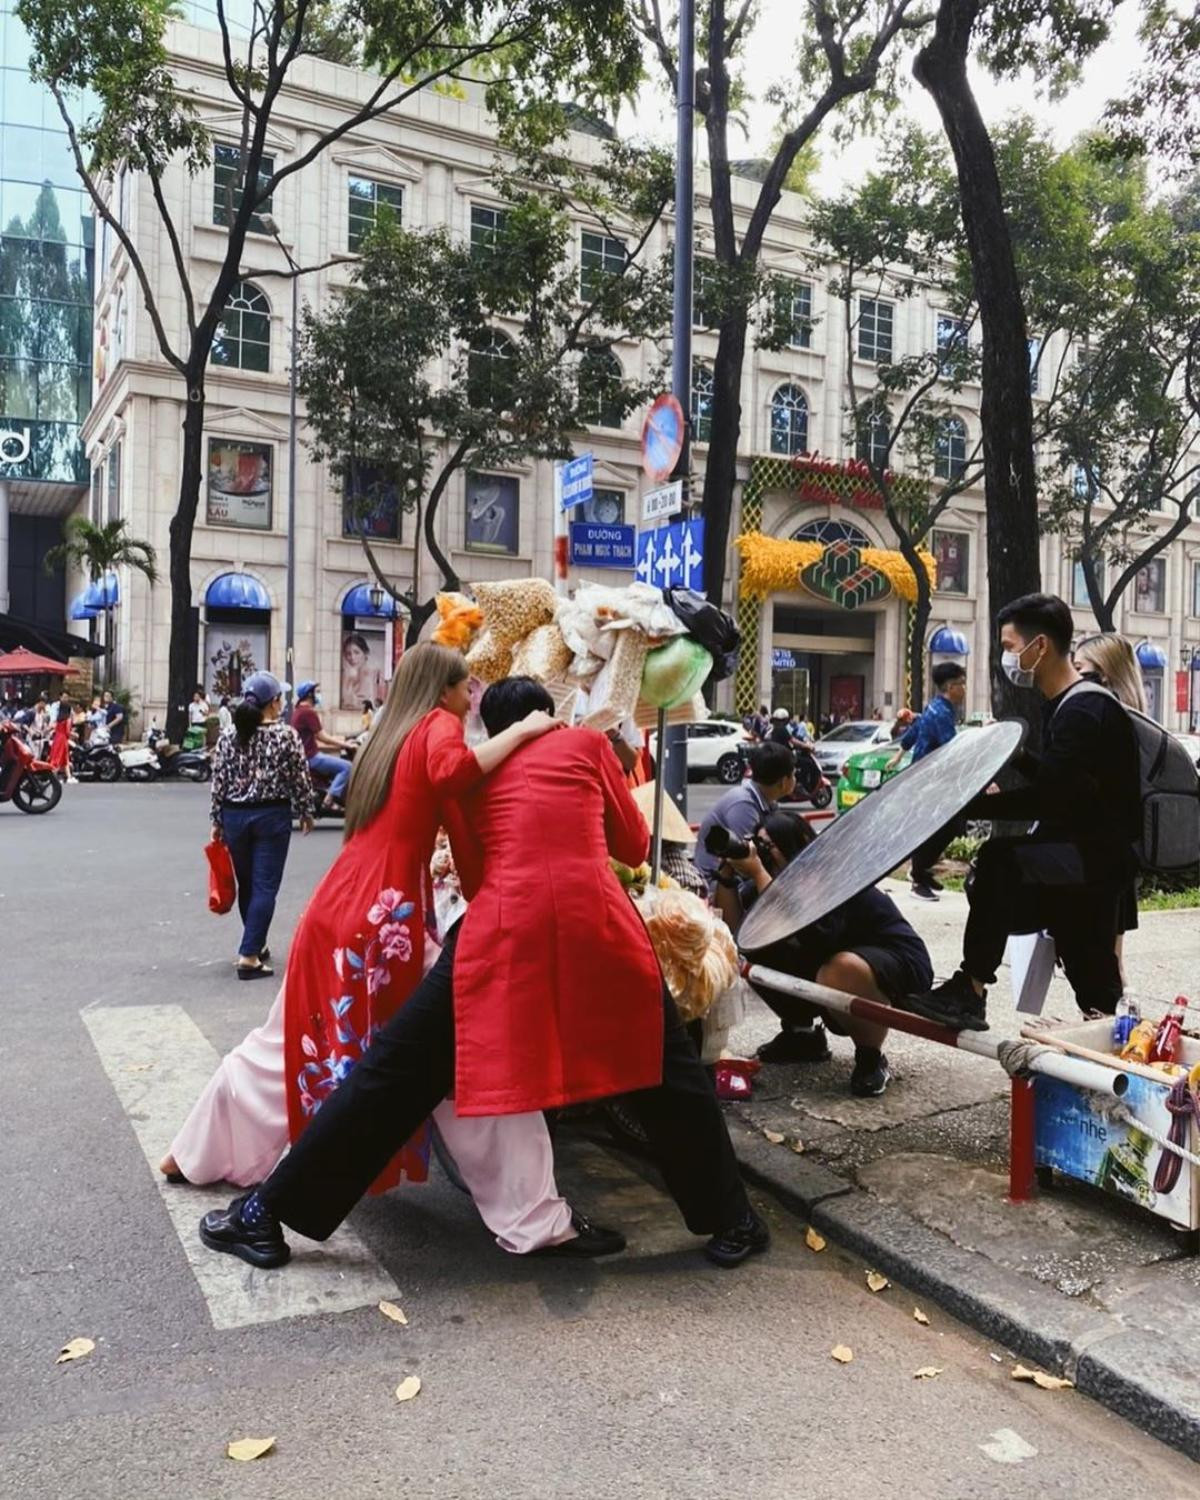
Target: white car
column 714, row 749
column 833, row 750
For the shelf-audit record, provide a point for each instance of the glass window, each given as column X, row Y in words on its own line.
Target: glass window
column 227, row 196
column 114, row 483
column 57, row 392
column 827, row 531
column 1079, row 593
column 950, row 449
column 951, row 338
column 600, row 388
column 702, row 402
column 605, row 508
column 25, row 101
column 952, row 555
column 1196, row 589
column 789, row 420
column 1035, row 365
column 490, row 371
column 600, row 256
column 1081, row 480
column 796, row 313
column 493, row 513
column 365, row 199
column 97, row 494
column 18, row 385
column 486, row 224
column 239, row 483
column 1150, row 587
column 705, row 302
column 243, row 337
column 875, row 325
column 872, row 441
column 371, row 504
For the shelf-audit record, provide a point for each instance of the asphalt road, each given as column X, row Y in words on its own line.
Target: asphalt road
column 651, row 1375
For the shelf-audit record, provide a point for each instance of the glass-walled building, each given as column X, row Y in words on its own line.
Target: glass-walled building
column 46, row 280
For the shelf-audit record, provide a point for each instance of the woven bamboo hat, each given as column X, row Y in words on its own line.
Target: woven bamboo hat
column 675, row 829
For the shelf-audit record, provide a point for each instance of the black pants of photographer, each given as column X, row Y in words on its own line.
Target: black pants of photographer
column 409, row 1069
column 1021, row 885
column 932, row 849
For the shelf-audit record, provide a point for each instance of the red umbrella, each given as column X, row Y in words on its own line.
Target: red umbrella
column 25, row 663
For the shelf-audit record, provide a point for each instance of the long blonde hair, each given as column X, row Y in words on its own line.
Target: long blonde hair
column 422, row 677
column 1112, row 656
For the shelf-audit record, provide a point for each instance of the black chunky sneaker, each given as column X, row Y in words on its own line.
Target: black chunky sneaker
column 871, row 1074
column 797, row 1044
column 749, row 1236
column 954, row 1004
column 261, row 1245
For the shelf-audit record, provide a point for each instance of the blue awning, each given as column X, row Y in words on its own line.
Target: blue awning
column 105, row 593
column 236, row 591
column 947, row 642
column 1151, row 658
column 358, row 602
column 81, row 609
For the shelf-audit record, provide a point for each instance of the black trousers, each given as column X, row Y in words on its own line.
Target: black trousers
column 408, row 1070
column 932, row 849
column 1021, row 885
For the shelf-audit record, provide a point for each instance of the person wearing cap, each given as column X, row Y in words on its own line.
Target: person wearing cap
column 260, row 781
column 306, row 721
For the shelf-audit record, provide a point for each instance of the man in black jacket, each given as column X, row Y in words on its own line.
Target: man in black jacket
column 1065, row 876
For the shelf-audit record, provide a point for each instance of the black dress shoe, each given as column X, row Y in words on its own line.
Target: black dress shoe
column 255, row 971
column 264, row 1245
column 590, row 1240
column 749, row 1236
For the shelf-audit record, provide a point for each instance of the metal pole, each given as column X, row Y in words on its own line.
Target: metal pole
column 290, row 613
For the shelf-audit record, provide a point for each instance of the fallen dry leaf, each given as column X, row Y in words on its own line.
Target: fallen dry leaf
column 813, row 1240
column 138, row 1067
column 798, row 1147
column 76, row 1349
column 842, row 1354
column 245, row 1450
column 920, row 1317
column 877, row 1282
column 774, row 1136
column 390, row 1310
column 927, row 1372
column 1041, row 1379
column 408, row 1388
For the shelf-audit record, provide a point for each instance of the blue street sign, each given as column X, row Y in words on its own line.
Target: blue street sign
column 595, row 546
column 577, row 480
column 672, row 556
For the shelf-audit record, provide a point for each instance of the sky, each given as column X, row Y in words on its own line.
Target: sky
column 1105, row 75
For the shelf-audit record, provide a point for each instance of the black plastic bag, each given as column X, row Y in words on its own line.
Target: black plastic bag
column 712, row 627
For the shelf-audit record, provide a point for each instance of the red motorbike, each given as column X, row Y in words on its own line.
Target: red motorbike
column 25, row 780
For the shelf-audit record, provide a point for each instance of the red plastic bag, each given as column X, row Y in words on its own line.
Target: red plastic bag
column 222, row 887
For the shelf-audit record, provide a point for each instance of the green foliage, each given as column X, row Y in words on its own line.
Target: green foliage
column 98, row 549
column 1160, row 115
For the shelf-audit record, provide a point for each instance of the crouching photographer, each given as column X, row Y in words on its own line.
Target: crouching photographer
column 863, row 947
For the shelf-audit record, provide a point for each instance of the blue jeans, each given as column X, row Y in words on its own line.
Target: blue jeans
column 258, row 839
column 337, row 769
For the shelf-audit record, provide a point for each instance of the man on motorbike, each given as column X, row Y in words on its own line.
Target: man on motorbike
column 306, row 721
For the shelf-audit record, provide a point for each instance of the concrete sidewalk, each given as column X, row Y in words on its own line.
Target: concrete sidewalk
column 917, row 1182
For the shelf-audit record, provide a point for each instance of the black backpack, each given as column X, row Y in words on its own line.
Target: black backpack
column 1169, row 842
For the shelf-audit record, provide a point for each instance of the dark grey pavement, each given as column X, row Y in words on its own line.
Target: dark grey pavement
column 651, row 1375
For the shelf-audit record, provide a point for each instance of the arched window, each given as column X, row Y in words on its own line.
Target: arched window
column 600, row 377
column 702, row 402
column 490, row 371
column 950, row 449
column 243, row 337
column 827, row 531
column 872, row 442
column 789, row 420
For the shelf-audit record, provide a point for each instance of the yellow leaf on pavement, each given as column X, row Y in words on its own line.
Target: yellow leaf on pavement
column 1041, row 1379
column 877, row 1282
column 798, row 1147
column 842, row 1354
column 927, row 1372
column 408, row 1388
column 245, row 1450
column 390, row 1310
column 813, row 1240
column 76, row 1349
column 920, row 1317
column 774, row 1136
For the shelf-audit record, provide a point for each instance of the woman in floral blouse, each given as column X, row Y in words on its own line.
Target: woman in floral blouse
column 260, row 781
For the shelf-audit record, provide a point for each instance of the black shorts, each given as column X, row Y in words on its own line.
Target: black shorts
column 897, row 971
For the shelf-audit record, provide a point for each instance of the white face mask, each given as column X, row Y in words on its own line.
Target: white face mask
column 1010, row 665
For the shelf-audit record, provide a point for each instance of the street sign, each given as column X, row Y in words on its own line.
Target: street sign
column 577, row 481
column 596, row 546
column 667, row 500
column 662, row 438
column 672, row 556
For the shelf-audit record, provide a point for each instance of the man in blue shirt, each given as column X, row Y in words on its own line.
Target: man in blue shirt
column 935, row 727
column 742, row 808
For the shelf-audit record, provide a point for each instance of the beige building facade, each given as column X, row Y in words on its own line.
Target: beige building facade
column 431, row 162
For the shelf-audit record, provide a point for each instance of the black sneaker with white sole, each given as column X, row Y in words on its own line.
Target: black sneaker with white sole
column 797, row 1044
column 954, row 1004
column 871, row 1074
column 924, row 892
column 749, row 1236
column 261, row 1245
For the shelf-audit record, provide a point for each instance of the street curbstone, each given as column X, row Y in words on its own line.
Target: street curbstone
column 1148, row 1380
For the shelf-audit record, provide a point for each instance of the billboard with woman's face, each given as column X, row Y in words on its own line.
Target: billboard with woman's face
column 364, row 664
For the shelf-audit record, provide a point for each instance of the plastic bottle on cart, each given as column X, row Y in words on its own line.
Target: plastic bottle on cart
column 1170, row 1030
column 1122, row 1023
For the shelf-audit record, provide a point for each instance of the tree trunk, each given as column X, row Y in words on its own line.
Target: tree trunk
column 1006, row 409
column 720, row 473
column 181, row 664
column 1102, row 608
column 919, row 622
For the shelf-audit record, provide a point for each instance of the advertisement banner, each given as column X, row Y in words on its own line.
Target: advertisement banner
column 364, row 666
column 239, row 484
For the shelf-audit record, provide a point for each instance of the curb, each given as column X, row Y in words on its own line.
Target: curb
column 1145, row 1378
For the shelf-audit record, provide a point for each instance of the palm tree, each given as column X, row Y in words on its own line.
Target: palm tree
column 96, row 550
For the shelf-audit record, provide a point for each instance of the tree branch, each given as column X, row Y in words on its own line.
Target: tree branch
column 181, row 269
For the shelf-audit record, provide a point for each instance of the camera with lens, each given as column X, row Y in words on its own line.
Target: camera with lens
column 722, row 844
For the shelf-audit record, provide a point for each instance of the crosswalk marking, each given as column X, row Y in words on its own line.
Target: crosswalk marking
column 336, row 1276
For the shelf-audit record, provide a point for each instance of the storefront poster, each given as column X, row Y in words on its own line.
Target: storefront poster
column 951, row 551
column 493, row 508
column 846, row 697
column 239, row 484
column 231, row 654
column 363, row 665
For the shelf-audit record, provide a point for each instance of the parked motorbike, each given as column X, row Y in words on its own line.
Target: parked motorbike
column 811, row 784
column 185, row 765
column 95, row 761
column 24, row 779
column 139, row 762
